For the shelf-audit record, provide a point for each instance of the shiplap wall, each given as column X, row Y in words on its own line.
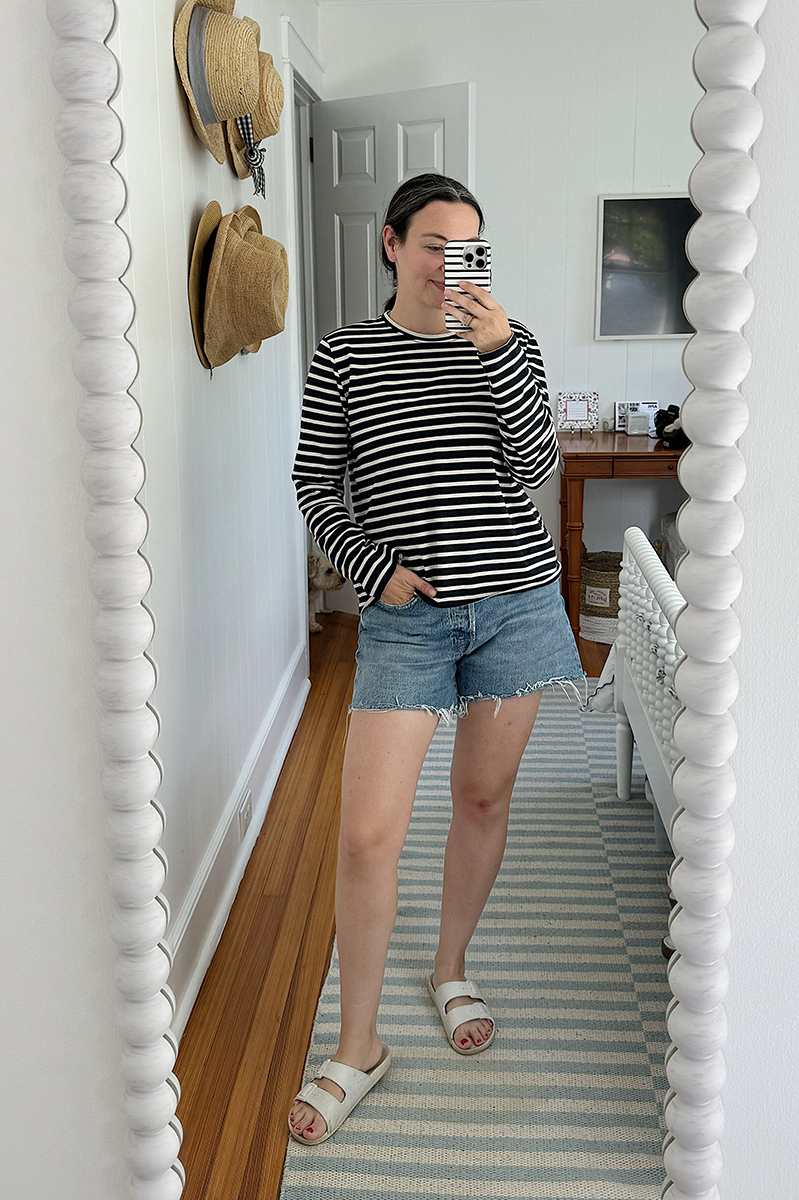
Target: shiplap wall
column 226, row 540
column 574, row 98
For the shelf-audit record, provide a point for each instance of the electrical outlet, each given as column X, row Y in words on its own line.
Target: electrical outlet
column 245, row 813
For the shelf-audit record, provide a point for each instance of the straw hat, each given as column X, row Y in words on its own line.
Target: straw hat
column 253, row 213
column 217, row 59
column 238, row 285
column 204, row 242
column 265, row 115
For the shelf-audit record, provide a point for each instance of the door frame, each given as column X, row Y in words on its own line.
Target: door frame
column 302, row 85
column 304, row 97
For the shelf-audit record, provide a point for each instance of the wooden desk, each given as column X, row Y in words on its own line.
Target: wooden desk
column 599, row 456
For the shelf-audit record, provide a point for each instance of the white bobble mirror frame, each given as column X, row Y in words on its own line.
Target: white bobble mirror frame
column 726, row 122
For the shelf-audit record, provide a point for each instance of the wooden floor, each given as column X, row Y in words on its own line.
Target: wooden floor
column 244, row 1047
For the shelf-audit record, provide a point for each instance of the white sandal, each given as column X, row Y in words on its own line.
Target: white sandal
column 456, row 1016
column 354, row 1083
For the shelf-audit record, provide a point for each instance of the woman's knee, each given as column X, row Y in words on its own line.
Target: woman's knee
column 369, row 847
column 482, row 803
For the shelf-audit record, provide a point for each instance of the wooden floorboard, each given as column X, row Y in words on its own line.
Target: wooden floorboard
column 592, row 656
column 246, row 1040
column 244, row 1046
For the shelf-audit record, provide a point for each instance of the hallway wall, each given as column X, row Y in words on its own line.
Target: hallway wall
column 226, row 544
column 226, row 541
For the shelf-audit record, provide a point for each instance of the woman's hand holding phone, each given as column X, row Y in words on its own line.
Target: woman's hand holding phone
column 402, row 585
column 488, row 328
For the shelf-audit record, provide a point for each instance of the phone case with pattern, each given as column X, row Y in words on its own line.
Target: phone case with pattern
column 467, row 259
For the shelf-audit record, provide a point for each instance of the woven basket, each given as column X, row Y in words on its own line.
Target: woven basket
column 599, row 595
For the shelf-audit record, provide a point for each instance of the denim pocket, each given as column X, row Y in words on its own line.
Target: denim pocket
column 394, row 607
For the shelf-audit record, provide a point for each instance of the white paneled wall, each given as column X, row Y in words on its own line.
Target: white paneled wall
column 574, row 98
column 226, row 541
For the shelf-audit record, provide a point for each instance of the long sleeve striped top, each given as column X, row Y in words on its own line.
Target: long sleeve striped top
column 440, row 442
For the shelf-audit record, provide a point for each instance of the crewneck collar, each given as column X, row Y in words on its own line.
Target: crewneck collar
column 432, row 337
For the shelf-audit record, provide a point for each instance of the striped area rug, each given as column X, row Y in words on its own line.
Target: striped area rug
column 566, row 1102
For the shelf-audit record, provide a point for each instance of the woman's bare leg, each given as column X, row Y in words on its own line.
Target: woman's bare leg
column 382, row 762
column 485, row 762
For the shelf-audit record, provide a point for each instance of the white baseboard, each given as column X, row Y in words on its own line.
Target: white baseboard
column 195, row 932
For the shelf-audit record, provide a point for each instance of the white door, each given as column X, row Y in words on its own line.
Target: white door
column 363, row 148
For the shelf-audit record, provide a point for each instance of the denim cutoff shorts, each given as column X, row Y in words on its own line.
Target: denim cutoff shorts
column 419, row 656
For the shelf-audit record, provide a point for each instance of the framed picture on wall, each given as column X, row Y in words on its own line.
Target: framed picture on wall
column 642, row 267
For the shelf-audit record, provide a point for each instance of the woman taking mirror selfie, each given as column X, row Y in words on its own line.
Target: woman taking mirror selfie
column 457, row 580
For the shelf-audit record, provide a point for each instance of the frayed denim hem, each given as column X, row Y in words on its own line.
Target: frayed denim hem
column 447, row 715
column 561, row 681
column 461, row 708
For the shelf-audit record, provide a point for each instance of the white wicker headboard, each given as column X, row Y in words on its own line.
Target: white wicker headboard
column 647, row 654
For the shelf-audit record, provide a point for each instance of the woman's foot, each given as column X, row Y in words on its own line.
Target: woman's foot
column 471, row 1033
column 310, row 1124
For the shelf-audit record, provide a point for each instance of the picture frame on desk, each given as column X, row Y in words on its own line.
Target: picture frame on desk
column 578, row 410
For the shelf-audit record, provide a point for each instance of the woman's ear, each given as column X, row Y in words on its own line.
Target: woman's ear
column 389, row 238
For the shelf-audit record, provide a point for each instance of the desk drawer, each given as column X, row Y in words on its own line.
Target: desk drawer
column 587, row 468
column 648, row 466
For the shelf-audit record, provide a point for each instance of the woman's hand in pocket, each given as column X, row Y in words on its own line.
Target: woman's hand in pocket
column 402, row 585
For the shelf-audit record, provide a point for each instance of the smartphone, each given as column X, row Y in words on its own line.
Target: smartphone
column 468, row 259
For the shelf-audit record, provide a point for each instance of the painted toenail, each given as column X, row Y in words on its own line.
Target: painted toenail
column 464, row 1041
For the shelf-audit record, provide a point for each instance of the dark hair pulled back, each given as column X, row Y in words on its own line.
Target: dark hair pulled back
column 409, row 198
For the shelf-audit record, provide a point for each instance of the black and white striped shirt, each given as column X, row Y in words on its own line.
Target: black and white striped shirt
column 439, row 440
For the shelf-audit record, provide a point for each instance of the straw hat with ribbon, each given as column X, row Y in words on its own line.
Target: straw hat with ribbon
column 217, row 59
column 244, row 133
column 238, row 285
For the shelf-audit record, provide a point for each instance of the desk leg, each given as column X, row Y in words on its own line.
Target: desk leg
column 564, row 587
column 574, row 548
